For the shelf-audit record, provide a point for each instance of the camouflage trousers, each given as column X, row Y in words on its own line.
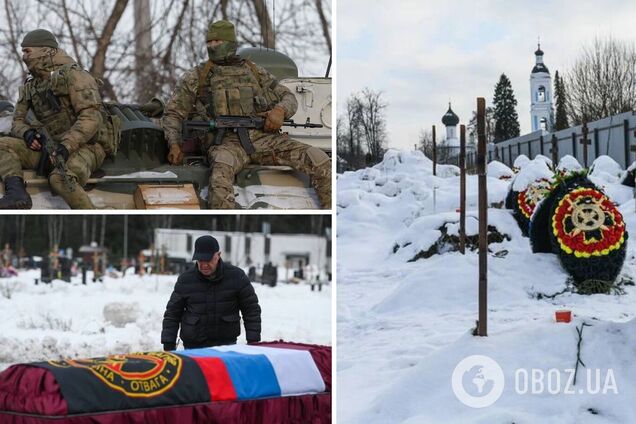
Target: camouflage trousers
column 15, row 156
column 229, row 158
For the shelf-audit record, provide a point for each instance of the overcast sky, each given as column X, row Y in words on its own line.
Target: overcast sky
column 421, row 54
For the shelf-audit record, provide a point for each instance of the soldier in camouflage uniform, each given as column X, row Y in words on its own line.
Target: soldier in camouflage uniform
column 229, row 85
column 65, row 100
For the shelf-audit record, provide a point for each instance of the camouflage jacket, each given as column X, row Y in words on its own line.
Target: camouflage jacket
column 236, row 88
column 67, row 103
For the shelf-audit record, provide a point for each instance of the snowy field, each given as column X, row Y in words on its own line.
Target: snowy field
column 404, row 326
column 123, row 315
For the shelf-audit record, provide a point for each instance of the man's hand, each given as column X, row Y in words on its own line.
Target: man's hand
column 32, row 140
column 61, row 150
column 274, row 119
column 169, row 347
column 175, row 156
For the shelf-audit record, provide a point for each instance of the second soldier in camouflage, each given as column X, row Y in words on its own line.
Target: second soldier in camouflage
column 229, row 85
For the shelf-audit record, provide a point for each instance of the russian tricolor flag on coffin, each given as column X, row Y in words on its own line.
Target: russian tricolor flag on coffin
column 240, row 372
column 155, row 379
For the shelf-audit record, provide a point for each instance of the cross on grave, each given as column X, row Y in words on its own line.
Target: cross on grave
column 585, row 142
column 554, row 149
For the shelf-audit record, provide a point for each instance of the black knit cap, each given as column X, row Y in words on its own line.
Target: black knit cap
column 204, row 248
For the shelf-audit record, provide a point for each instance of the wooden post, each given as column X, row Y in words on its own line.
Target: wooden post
column 596, row 148
column 584, row 141
column 554, row 150
column 574, row 153
column 434, row 153
column 510, row 155
column 462, row 189
column 626, row 137
column 482, row 327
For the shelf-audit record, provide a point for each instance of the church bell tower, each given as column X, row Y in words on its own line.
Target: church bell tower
column 541, row 111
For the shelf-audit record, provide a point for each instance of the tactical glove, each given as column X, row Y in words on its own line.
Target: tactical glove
column 30, row 137
column 61, row 150
column 274, row 119
column 175, row 156
column 169, row 347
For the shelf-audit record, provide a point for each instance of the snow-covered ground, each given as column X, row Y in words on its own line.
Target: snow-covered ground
column 404, row 326
column 122, row 315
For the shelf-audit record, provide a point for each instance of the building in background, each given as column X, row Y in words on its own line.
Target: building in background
column 305, row 256
column 541, row 110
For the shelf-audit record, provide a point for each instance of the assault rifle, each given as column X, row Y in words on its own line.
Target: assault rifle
column 48, row 147
column 240, row 124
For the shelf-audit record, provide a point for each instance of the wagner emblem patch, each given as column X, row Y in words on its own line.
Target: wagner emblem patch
column 145, row 374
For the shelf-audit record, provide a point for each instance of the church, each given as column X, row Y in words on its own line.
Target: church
column 541, row 110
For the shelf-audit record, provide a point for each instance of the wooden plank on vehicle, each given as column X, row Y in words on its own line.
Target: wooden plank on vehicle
column 166, row 196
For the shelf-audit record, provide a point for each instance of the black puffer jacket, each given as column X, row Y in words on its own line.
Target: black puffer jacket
column 207, row 309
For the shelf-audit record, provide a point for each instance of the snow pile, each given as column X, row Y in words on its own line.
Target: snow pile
column 545, row 159
column 499, row 170
column 425, row 232
column 534, row 170
column 521, row 161
column 375, row 204
column 404, row 326
column 606, row 169
column 48, row 321
column 569, row 163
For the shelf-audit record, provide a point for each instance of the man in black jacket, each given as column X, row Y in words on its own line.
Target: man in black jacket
column 206, row 302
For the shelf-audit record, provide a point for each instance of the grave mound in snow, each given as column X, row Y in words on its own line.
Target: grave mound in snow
column 499, row 170
column 376, row 203
column 568, row 163
column 539, row 345
column 435, row 234
column 399, row 174
column 607, row 169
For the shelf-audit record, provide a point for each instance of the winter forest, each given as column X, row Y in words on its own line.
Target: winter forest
column 38, row 234
column 140, row 48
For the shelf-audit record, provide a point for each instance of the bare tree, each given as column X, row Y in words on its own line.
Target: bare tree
column 490, row 124
column 602, row 81
column 145, row 83
column 349, row 137
column 265, row 22
column 102, row 40
column 324, row 23
column 425, row 143
column 102, row 235
column 373, row 122
column 55, row 227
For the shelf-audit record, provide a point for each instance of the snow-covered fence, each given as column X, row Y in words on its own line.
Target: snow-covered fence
column 612, row 136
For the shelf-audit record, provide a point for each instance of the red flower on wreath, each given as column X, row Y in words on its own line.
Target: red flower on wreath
column 587, row 223
column 528, row 198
